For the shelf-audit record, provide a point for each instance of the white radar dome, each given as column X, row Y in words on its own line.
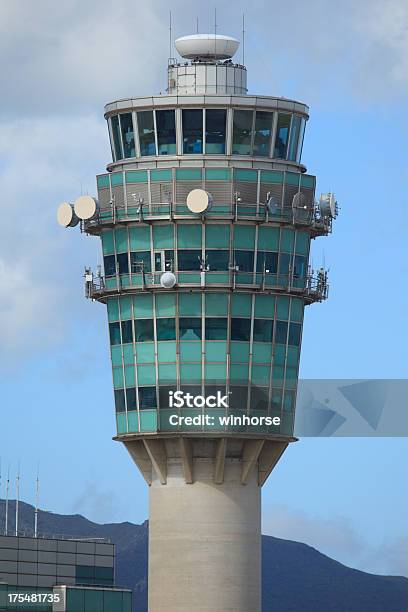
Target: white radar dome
column 66, row 216
column 198, row 201
column 207, row 46
column 85, row 207
column 168, row 280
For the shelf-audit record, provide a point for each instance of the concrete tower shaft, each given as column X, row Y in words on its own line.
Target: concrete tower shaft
column 205, row 513
column 206, row 215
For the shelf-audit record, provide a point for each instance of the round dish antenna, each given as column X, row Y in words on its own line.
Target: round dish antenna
column 328, row 205
column 198, row 201
column 207, row 46
column 85, row 207
column 66, row 215
column 168, row 280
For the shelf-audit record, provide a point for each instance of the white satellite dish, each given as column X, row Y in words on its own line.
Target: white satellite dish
column 168, row 280
column 85, row 207
column 66, row 215
column 198, row 201
column 207, row 46
column 328, row 205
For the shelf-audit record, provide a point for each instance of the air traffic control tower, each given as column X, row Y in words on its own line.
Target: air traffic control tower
column 206, row 214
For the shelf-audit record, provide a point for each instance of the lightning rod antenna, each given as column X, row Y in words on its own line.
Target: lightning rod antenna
column 197, row 26
column 7, row 500
column 17, row 497
column 37, row 499
column 215, row 31
column 243, row 39
column 170, row 34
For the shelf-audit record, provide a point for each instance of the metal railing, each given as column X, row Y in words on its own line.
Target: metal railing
column 313, row 286
column 309, row 216
column 29, row 533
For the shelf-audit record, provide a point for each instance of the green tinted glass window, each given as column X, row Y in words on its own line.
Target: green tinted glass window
column 215, row 131
column 140, row 261
column 240, row 329
column 242, row 132
column 114, row 332
column 163, row 236
column 241, row 305
column 190, row 304
column 192, row 131
column 166, row 329
column 107, row 242
column 294, row 137
column 144, row 330
column 118, row 153
column 128, row 136
column 217, row 236
column 216, row 260
column 143, row 306
column 282, row 136
column 244, row 236
column 216, row 304
column 263, row 132
column 189, row 236
column 166, row 132
column 216, row 329
column 263, row 330
column 146, row 133
column 190, row 328
column 166, row 305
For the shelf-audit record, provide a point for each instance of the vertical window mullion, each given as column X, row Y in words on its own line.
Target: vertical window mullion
column 155, row 132
column 136, row 132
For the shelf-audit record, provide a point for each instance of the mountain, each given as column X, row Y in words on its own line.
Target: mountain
column 295, row 576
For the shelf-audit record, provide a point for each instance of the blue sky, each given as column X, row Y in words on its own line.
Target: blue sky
column 60, row 65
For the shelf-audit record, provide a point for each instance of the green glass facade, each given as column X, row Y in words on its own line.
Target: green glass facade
column 64, row 599
column 233, row 320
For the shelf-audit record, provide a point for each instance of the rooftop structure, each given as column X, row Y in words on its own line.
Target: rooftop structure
column 206, row 214
column 59, row 575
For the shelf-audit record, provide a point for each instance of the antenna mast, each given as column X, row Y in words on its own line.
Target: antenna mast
column 170, row 35
column 37, row 499
column 17, row 497
column 243, row 39
column 215, row 31
column 7, row 500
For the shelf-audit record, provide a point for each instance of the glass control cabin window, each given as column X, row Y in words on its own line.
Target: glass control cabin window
column 146, row 133
column 116, row 137
column 128, row 135
column 263, row 133
column 282, row 136
column 166, row 132
column 215, row 131
column 242, row 133
column 192, row 131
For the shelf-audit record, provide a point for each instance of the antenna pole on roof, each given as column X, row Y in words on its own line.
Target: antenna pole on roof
column 17, row 497
column 7, row 500
column 170, row 34
column 243, row 39
column 197, row 26
column 37, row 499
column 215, row 31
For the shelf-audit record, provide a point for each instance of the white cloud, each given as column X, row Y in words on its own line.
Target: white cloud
column 67, row 57
column 42, row 162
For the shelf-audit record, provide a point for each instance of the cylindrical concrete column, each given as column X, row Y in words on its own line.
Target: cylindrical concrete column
column 205, row 541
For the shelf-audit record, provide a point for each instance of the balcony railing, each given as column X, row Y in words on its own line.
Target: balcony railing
column 313, row 287
column 303, row 216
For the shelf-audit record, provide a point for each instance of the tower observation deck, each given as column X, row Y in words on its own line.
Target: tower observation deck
column 206, row 215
